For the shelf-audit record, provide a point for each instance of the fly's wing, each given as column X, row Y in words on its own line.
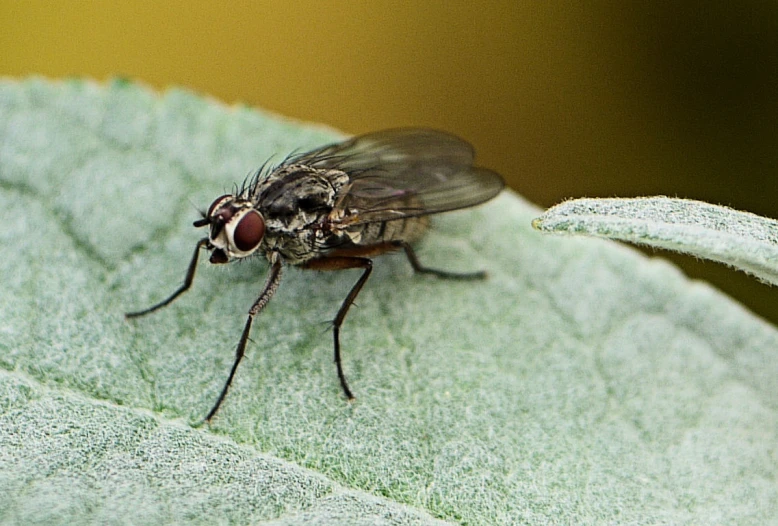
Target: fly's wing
column 405, row 173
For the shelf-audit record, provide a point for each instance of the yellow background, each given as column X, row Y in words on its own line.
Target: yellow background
column 564, row 98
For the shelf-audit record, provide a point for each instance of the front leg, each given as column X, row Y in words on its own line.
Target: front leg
column 190, row 273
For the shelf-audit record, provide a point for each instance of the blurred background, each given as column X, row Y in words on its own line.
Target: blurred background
column 565, row 98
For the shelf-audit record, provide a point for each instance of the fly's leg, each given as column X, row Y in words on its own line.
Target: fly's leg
column 271, row 285
column 190, row 273
column 418, row 267
column 367, row 265
column 342, row 263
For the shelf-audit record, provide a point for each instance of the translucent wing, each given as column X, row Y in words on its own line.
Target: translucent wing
column 406, row 173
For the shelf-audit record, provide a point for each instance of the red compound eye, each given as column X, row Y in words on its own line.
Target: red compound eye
column 249, row 231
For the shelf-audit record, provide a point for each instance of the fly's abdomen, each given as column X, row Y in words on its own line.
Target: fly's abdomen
column 408, row 230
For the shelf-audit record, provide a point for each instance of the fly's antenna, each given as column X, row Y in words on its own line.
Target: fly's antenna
column 200, row 211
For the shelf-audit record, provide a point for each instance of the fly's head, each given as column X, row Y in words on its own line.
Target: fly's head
column 237, row 228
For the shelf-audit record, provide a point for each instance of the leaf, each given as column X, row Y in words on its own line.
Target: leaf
column 581, row 383
column 740, row 239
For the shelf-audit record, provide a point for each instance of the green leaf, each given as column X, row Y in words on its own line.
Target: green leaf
column 581, row 383
column 740, row 239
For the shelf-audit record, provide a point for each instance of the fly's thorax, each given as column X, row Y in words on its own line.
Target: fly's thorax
column 298, row 196
column 237, row 228
column 295, row 202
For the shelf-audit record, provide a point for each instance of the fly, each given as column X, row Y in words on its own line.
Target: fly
column 337, row 207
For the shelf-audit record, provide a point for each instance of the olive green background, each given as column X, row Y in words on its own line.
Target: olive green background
column 566, row 99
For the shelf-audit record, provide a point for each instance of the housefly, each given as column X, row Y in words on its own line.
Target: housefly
column 336, row 208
